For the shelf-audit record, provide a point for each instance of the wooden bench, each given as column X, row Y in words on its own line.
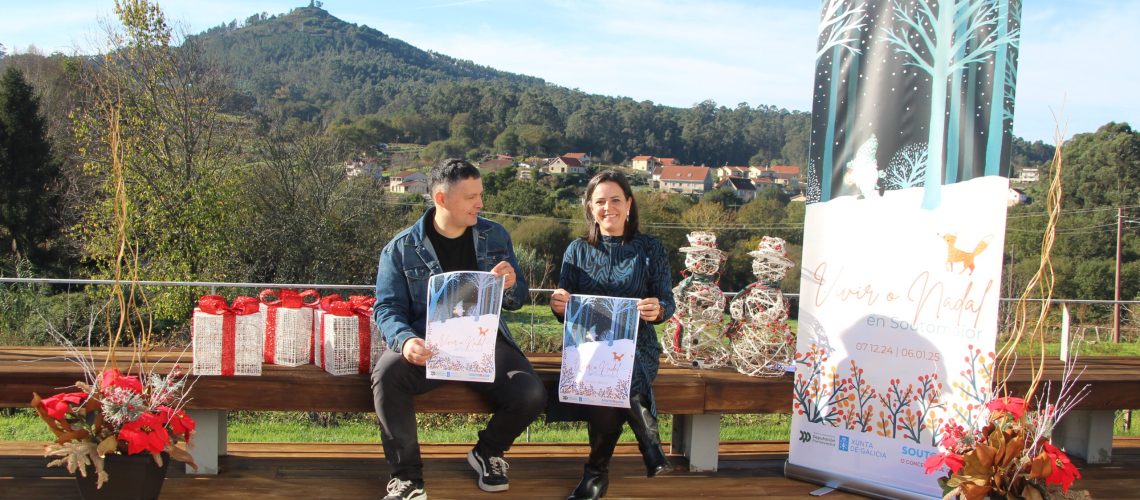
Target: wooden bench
column 696, row 398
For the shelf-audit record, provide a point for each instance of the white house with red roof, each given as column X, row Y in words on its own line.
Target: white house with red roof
column 686, row 179
column 786, row 175
column 565, row 165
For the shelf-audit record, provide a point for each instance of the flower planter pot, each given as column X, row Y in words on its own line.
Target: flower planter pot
column 130, row 477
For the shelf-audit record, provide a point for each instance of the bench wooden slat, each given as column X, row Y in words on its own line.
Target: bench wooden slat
column 1114, row 381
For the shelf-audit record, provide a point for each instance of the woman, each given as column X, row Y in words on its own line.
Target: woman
column 613, row 259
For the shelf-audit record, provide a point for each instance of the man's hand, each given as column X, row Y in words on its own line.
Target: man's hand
column 558, row 301
column 505, row 268
column 416, row 352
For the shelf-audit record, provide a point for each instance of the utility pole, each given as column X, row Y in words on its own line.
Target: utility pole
column 1116, row 304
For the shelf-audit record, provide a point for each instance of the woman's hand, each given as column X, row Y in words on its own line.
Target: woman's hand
column 650, row 309
column 558, row 301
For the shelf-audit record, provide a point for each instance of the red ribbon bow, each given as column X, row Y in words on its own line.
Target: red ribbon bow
column 356, row 305
column 216, row 304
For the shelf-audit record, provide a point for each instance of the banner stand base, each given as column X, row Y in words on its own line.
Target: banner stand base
column 835, row 481
column 822, row 491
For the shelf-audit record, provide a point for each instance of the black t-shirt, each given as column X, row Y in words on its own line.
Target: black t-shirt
column 454, row 254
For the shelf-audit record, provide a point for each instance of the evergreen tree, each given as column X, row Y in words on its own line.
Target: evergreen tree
column 29, row 192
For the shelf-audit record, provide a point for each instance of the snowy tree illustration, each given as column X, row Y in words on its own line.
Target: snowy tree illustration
column 489, row 291
column 1004, row 82
column 907, row 167
column 441, row 290
column 839, row 28
column 924, row 34
column 583, row 314
column 624, row 315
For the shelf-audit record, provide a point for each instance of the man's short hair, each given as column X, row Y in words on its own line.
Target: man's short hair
column 449, row 171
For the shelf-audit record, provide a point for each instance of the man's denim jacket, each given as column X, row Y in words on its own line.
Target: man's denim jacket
column 409, row 260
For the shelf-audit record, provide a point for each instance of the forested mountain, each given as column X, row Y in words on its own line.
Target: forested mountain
column 370, row 88
column 325, row 66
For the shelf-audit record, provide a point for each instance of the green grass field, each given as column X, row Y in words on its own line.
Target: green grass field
column 248, row 427
column 295, row 427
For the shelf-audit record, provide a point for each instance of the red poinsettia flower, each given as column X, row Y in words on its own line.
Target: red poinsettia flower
column 57, row 406
column 148, row 433
column 1064, row 472
column 180, row 423
column 935, row 462
column 1014, row 406
column 115, row 378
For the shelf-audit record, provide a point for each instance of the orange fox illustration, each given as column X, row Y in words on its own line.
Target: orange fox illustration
column 955, row 254
column 617, row 357
column 482, row 331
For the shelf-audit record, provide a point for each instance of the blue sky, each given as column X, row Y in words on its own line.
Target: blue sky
column 1076, row 56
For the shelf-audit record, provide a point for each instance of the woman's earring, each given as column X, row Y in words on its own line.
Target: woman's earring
column 627, row 217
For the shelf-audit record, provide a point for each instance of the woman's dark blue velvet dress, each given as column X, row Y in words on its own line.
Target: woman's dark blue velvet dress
column 635, row 269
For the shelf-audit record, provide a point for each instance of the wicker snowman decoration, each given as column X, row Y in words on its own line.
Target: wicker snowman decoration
column 762, row 341
column 696, row 336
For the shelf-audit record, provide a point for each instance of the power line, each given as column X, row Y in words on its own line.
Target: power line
column 1074, row 211
column 1071, row 230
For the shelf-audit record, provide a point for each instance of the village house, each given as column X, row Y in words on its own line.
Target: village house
column 786, row 175
column 408, row 181
column 644, row 163
column 1016, row 197
column 565, row 165
column 743, row 189
column 582, row 158
column 765, row 181
column 686, row 179
column 362, row 166
column 1028, row 174
column 733, row 172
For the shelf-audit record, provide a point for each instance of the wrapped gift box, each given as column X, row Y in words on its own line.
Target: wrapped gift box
column 227, row 339
column 346, row 340
column 288, row 326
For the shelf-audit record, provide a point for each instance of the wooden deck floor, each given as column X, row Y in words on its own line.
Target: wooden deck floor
column 346, row 471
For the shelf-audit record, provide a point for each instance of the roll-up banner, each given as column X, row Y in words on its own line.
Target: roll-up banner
column 904, row 234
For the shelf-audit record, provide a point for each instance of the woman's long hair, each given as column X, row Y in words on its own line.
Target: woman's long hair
column 593, row 231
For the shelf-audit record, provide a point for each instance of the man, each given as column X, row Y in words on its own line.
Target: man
column 449, row 237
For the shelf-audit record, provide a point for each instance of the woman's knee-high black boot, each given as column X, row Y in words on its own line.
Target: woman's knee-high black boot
column 596, row 478
column 644, row 426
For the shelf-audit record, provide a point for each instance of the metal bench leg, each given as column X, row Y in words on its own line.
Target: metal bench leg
column 698, row 438
column 209, row 440
column 1086, row 434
